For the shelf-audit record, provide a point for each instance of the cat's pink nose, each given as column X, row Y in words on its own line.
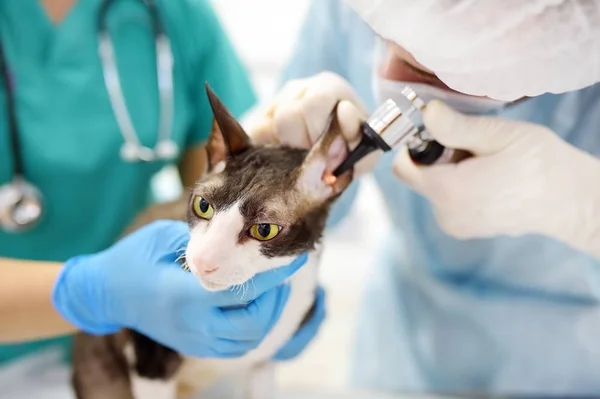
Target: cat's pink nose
column 205, row 269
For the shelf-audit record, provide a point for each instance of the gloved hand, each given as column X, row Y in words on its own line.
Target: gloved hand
column 137, row 284
column 298, row 343
column 300, row 111
column 522, row 179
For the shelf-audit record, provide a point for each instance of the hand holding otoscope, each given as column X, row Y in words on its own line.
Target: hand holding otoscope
column 396, row 124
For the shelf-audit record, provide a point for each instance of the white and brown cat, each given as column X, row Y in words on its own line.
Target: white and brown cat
column 257, row 208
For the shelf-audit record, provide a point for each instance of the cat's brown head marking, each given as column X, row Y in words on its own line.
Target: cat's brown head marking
column 249, row 186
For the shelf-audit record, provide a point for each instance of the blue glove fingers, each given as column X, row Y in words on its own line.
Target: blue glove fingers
column 172, row 238
column 229, row 347
column 191, row 344
column 254, row 321
column 270, row 279
column 298, row 343
column 260, row 284
column 167, row 239
column 216, row 355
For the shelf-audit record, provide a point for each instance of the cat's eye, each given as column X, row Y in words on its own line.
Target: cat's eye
column 202, row 208
column 264, row 231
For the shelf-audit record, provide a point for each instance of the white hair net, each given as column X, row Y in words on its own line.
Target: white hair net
column 503, row 49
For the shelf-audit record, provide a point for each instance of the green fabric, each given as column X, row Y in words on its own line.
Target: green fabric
column 69, row 137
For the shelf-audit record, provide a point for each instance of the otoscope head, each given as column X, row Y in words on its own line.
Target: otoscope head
column 370, row 142
column 393, row 125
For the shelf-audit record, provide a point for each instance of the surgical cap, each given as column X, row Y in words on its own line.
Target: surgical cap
column 503, row 49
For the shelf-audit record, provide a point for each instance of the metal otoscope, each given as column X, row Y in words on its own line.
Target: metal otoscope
column 395, row 124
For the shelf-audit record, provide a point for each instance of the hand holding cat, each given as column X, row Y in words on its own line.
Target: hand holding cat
column 522, row 179
column 300, row 112
column 137, row 284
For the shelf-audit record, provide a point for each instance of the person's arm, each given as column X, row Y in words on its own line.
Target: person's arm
column 26, row 310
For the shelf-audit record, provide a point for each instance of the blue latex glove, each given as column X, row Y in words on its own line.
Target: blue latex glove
column 137, row 284
column 298, row 343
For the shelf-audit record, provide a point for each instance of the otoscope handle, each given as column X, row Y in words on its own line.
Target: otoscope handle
column 370, row 142
column 434, row 153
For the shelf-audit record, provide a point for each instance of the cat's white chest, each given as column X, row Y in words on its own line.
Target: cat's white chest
column 201, row 373
column 302, row 297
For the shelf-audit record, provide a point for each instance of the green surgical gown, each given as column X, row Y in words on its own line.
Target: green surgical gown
column 69, row 136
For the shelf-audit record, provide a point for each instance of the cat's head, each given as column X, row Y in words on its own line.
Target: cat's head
column 258, row 207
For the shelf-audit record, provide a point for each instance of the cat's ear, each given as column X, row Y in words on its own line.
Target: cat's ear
column 329, row 151
column 227, row 137
column 215, row 147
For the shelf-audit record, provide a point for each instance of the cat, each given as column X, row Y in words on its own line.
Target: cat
column 267, row 204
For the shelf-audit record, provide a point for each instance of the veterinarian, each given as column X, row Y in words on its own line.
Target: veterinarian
column 77, row 154
column 489, row 279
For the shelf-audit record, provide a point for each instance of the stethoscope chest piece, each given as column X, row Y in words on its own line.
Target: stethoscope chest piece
column 166, row 150
column 21, row 206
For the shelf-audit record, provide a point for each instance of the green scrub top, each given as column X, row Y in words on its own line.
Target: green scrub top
column 69, row 136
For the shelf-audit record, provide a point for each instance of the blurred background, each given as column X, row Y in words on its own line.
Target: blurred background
column 264, row 33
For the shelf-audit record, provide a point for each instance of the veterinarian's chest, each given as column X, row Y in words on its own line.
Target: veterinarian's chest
column 68, row 133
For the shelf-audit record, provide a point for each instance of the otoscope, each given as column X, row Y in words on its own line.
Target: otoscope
column 395, row 124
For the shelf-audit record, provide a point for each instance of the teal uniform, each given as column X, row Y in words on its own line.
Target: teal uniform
column 69, row 136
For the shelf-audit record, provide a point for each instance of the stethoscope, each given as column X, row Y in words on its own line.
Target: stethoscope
column 21, row 203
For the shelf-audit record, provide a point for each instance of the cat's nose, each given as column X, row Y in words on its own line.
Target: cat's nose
column 205, row 269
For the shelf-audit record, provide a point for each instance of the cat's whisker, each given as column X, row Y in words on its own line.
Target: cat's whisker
column 185, row 267
column 253, row 286
column 244, row 291
column 235, row 288
column 240, row 292
column 183, row 263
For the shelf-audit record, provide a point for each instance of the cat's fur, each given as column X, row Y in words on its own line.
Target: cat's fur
column 245, row 184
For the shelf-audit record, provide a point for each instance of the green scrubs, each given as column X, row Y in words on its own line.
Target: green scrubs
column 69, row 137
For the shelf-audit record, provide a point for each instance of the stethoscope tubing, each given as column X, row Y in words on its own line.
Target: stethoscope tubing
column 13, row 126
column 133, row 148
